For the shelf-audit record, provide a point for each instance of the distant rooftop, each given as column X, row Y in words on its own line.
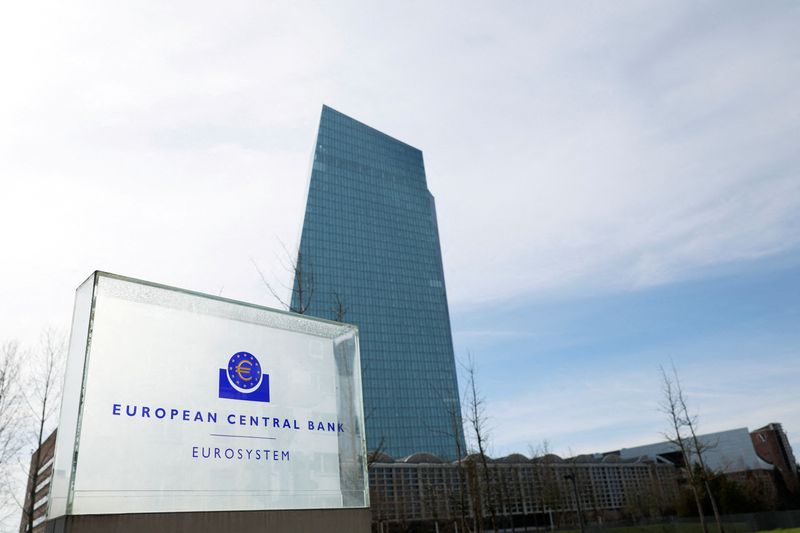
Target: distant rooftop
column 726, row 451
column 514, row 458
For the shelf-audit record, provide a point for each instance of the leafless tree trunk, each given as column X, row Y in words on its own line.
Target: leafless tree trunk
column 549, row 491
column 476, row 415
column 374, row 456
column 10, row 443
column 507, row 494
column 671, row 406
column 9, row 399
column 42, row 401
column 456, row 429
column 476, row 501
column 339, row 308
column 690, row 422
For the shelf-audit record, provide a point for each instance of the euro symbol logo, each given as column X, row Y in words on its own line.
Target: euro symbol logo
column 242, row 370
column 243, row 379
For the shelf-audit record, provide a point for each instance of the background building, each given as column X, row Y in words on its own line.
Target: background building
column 39, row 476
column 425, row 493
column 760, row 462
column 369, row 255
column 772, row 445
column 725, row 452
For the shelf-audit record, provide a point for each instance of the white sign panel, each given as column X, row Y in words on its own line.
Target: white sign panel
column 195, row 403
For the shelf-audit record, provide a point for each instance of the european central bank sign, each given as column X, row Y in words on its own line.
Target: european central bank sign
column 178, row 401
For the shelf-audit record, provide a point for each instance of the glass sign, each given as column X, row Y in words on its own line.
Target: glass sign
column 180, row 401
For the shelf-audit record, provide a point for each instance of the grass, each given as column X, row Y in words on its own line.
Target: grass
column 678, row 528
column 683, row 528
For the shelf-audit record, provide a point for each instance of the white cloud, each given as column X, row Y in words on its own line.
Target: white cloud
column 591, row 410
column 630, row 160
column 618, row 146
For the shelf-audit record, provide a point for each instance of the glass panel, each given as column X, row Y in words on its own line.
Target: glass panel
column 198, row 403
column 70, row 399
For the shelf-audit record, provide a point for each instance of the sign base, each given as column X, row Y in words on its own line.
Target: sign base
column 308, row 520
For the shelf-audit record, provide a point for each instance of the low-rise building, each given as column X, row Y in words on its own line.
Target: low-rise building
column 723, row 452
column 761, row 462
column 545, row 491
column 772, row 445
column 39, row 476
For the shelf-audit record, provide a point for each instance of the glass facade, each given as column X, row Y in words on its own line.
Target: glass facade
column 369, row 255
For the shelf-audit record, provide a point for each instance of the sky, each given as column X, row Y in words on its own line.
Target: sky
column 617, row 183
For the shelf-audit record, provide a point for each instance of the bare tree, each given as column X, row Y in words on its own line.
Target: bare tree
column 670, row 405
column 548, row 483
column 474, row 491
column 9, row 399
column 458, row 491
column 457, row 427
column 10, row 422
column 571, row 477
column 508, row 492
column 690, row 422
column 682, row 433
column 41, row 397
column 302, row 289
column 476, row 416
column 376, row 454
column 339, row 308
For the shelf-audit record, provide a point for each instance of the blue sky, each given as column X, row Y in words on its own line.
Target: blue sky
column 732, row 336
column 616, row 183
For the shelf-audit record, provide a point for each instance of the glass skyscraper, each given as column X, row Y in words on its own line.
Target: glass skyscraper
column 369, row 255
